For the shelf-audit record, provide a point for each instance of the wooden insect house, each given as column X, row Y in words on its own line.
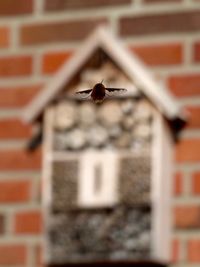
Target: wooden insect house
column 106, row 167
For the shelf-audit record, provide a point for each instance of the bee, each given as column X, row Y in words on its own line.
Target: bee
column 99, row 92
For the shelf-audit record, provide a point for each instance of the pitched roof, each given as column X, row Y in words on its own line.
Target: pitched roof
column 128, row 62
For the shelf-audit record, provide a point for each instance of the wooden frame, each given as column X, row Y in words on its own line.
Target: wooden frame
column 160, row 181
column 47, row 157
column 113, row 263
column 162, row 166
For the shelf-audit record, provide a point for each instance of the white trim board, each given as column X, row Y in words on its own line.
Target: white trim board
column 47, row 157
column 161, row 179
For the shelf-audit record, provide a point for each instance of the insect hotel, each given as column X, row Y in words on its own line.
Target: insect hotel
column 106, row 167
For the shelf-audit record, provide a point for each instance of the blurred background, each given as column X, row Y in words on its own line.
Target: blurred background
column 36, row 38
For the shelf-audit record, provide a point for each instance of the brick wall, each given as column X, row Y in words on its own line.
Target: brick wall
column 36, row 37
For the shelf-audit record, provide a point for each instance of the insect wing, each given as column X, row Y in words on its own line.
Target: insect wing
column 84, row 93
column 115, row 91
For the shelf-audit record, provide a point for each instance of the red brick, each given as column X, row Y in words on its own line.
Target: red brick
column 15, row 66
column 175, row 250
column 187, row 217
column 176, row 22
column 193, row 251
column 12, row 191
column 57, row 32
column 29, row 222
column 14, row 128
column 17, row 97
column 160, row 54
column 19, row 7
column 4, row 37
column 187, row 150
column 196, row 55
column 194, row 117
column 20, row 160
column 13, row 254
column 51, row 62
column 178, row 184
column 55, row 5
column 185, row 85
column 196, row 183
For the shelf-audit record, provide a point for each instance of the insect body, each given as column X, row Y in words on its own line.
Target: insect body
column 99, row 92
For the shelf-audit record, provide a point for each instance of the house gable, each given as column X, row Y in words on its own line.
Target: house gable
column 126, row 61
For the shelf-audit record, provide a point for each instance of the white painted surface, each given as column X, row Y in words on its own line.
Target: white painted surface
column 106, row 195
column 47, row 160
column 161, row 188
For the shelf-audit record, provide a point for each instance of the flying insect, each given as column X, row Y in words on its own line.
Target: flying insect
column 99, row 92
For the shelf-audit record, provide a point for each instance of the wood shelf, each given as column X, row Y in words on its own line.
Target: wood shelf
column 113, row 263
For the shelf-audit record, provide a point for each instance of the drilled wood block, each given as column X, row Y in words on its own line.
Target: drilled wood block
column 64, row 185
